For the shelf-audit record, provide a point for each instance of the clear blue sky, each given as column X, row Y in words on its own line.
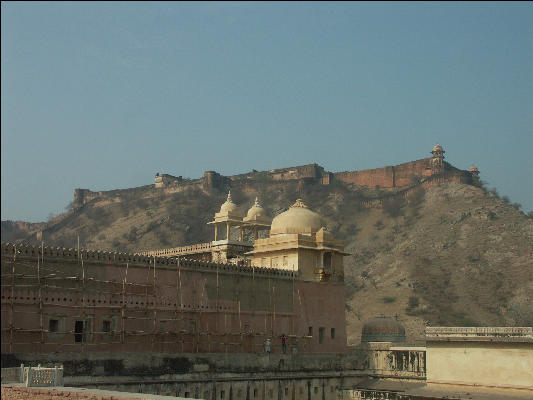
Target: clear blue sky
column 104, row 95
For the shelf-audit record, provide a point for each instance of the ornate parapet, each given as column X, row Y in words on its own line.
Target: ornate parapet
column 178, row 251
column 484, row 334
column 15, row 252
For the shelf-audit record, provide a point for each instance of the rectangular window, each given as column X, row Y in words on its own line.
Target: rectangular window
column 255, row 392
column 310, row 331
column 321, row 335
column 327, row 260
column 106, row 326
column 78, row 331
column 333, row 333
column 53, row 325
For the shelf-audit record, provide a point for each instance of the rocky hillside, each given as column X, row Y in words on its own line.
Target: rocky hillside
column 453, row 254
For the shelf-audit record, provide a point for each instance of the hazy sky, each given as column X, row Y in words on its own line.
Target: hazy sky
column 104, row 95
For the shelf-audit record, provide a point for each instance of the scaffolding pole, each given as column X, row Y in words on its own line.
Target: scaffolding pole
column 11, row 317
column 40, row 301
column 154, row 309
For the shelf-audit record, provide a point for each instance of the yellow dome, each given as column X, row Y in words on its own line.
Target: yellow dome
column 437, row 147
column 229, row 206
column 255, row 211
column 297, row 219
column 473, row 169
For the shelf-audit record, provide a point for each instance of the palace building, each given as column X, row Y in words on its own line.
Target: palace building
column 230, row 295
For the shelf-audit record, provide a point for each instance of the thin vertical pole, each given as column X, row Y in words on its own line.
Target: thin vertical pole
column 217, row 304
column 122, row 311
column 11, row 317
column 292, row 299
column 177, row 311
column 181, row 303
column 154, row 308
column 146, row 287
column 40, row 300
column 240, row 324
column 199, row 319
column 123, row 308
column 83, row 336
column 270, row 304
column 273, row 309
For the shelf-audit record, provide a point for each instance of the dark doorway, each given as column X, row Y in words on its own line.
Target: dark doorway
column 327, row 260
column 78, row 331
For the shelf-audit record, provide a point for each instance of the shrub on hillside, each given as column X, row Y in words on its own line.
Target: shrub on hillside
column 379, row 225
column 477, row 182
column 416, row 196
column 393, row 206
column 388, row 299
column 414, row 302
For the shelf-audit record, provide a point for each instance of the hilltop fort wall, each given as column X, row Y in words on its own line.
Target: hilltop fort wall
column 402, row 175
column 428, row 171
column 83, row 196
column 64, row 300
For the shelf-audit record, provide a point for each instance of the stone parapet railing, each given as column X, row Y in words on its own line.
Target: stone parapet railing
column 33, row 376
column 522, row 334
column 14, row 252
column 195, row 248
column 43, row 377
column 13, row 375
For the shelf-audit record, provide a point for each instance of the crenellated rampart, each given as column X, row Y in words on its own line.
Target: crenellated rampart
column 57, row 254
column 390, row 177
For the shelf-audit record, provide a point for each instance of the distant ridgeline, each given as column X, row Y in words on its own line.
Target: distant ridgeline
column 427, row 171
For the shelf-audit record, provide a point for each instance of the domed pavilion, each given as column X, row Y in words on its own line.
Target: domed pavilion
column 299, row 241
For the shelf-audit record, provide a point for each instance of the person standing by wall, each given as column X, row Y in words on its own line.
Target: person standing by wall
column 267, row 345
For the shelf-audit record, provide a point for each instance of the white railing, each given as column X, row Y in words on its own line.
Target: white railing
column 479, row 331
column 13, row 375
column 33, row 376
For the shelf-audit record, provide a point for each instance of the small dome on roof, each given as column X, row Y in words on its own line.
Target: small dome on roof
column 229, row 206
column 473, row 169
column 256, row 210
column 437, row 148
column 383, row 329
column 297, row 219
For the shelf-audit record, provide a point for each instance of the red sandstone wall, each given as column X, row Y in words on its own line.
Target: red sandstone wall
column 383, row 177
column 404, row 172
column 387, row 177
column 196, row 307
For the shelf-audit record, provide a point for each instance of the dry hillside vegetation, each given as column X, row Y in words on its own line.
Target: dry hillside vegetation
column 453, row 255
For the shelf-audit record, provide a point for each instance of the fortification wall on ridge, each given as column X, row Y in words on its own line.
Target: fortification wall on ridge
column 387, row 177
column 397, row 176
